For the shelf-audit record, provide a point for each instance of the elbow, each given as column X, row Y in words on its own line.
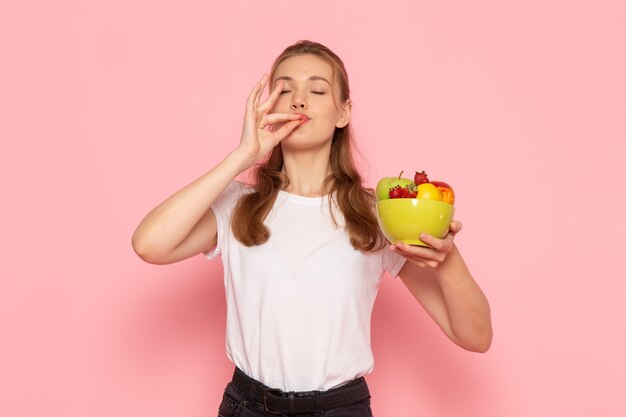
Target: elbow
column 480, row 347
column 480, row 342
column 144, row 250
column 143, row 254
column 479, row 335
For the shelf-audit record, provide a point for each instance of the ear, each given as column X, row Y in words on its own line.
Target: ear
column 344, row 116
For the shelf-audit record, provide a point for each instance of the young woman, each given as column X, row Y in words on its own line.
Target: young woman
column 302, row 252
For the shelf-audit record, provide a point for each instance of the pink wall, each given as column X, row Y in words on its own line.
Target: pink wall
column 108, row 107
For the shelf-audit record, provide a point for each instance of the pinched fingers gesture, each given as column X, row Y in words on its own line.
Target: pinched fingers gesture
column 433, row 255
column 258, row 137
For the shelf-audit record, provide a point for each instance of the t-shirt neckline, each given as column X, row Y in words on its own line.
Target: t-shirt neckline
column 300, row 199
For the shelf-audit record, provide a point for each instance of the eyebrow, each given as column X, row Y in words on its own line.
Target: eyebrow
column 311, row 78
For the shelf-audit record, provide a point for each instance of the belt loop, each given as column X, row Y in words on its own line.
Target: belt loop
column 317, row 400
column 292, row 402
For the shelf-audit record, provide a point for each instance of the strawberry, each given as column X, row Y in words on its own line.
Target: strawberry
column 420, row 178
column 396, row 192
column 403, row 192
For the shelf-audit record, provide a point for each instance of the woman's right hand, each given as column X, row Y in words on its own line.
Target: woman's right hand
column 258, row 137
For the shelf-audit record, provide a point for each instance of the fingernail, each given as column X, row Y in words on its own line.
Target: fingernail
column 423, row 236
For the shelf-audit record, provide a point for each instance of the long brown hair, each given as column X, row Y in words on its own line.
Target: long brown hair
column 355, row 201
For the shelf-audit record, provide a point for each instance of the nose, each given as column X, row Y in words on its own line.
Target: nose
column 297, row 103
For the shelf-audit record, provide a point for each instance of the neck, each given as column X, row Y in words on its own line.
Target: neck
column 306, row 171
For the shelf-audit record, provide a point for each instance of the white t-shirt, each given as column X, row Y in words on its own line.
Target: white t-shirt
column 298, row 306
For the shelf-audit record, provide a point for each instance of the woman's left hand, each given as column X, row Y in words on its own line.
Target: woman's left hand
column 431, row 256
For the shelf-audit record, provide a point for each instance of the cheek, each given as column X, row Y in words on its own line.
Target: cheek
column 327, row 126
column 331, row 116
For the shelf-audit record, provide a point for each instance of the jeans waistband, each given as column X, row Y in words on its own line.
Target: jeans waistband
column 276, row 401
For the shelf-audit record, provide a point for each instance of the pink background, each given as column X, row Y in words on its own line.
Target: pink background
column 108, row 107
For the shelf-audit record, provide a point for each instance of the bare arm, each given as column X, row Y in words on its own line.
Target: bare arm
column 184, row 225
column 444, row 286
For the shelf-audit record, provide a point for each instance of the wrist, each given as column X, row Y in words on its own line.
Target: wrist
column 241, row 161
column 452, row 263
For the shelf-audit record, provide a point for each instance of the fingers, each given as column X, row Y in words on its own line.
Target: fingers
column 263, row 83
column 269, row 103
column 445, row 244
column 418, row 263
column 415, row 250
column 420, row 253
column 273, row 118
column 442, row 245
column 429, row 256
column 286, row 129
column 455, row 226
column 258, row 87
column 252, row 98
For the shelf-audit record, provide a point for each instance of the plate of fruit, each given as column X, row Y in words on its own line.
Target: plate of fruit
column 406, row 208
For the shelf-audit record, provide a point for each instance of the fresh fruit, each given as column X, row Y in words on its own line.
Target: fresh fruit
column 428, row 191
column 402, row 192
column 385, row 185
column 421, row 187
column 446, row 191
column 420, row 178
column 405, row 209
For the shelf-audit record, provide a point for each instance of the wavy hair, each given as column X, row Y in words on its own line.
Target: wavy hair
column 354, row 200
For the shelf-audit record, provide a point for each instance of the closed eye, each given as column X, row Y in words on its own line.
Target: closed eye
column 314, row 92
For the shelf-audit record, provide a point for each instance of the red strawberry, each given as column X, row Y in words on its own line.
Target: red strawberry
column 402, row 192
column 396, row 192
column 420, row 178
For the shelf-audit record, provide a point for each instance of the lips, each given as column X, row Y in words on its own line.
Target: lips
column 303, row 117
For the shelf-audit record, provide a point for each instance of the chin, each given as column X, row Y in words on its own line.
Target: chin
column 302, row 142
column 298, row 137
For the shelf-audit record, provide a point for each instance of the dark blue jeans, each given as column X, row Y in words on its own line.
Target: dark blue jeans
column 237, row 404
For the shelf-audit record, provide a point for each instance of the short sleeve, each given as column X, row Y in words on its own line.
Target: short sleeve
column 223, row 208
column 392, row 262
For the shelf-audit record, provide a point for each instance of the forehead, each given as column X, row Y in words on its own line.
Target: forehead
column 304, row 67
